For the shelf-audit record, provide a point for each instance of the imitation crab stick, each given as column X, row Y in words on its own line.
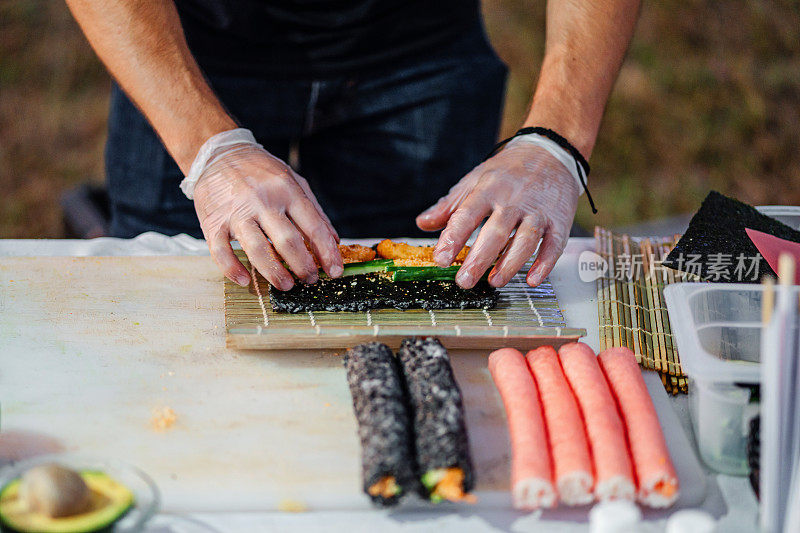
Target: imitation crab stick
column 655, row 474
column 531, row 473
column 572, row 465
column 604, row 428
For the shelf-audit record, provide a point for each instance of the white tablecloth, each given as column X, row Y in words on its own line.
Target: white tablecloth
column 729, row 498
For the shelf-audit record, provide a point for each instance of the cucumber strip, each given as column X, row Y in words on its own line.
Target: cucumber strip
column 424, row 273
column 363, row 267
column 428, row 273
column 367, row 267
column 432, row 477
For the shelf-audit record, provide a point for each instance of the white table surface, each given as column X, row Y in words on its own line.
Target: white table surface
column 728, row 498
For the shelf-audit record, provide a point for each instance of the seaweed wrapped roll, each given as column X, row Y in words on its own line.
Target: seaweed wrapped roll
column 383, row 422
column 437, row 411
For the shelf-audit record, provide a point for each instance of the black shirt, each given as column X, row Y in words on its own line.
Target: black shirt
column 318, row 38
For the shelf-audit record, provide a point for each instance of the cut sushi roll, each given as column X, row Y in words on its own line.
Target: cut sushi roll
column 440, row 432
column 379, row 403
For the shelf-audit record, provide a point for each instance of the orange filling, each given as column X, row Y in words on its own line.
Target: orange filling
column 389, row 249
column 355, row 253
column 451, row 487
column 351, row 253
column 385, row 487
column 418, row 263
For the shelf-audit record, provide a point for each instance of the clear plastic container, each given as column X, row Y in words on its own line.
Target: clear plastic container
column 788, row 214
column 717, row 328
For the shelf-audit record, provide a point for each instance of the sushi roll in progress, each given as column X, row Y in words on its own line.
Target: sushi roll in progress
column 440, row 432
column 384, row 427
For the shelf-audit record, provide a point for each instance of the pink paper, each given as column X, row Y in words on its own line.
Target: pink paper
column 771, row 247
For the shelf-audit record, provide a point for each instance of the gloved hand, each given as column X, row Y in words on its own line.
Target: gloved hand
column 242, row 192
column 522, row 188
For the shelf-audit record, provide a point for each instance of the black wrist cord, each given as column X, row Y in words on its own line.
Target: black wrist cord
column 580, row 161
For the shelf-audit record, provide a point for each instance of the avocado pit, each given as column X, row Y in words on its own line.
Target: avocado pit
column 54, row 490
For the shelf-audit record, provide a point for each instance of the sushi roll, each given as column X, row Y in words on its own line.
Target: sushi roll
column 384, row 427
column 440, row 432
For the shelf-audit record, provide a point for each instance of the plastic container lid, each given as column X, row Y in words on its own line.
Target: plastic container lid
column 788, row 214
column 717, row 327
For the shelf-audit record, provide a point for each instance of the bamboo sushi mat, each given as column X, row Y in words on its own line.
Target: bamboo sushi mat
column 630, row 300
column 525, row 318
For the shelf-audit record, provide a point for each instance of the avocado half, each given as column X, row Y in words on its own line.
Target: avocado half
column 110, row 500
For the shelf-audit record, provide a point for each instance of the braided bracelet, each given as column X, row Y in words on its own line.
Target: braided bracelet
column 581, row 165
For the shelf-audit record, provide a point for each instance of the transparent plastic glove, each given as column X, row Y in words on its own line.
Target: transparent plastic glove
column 522, row 189
column 245, row 193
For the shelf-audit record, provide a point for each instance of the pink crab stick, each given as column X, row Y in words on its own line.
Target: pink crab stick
column 604, row 428
column 572, row 463
column 655, row 473
column 531, row 473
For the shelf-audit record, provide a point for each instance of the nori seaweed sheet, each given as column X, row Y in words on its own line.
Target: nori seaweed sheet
column 381, row 409
column 440, row 431
column 718, row 228
column 359, row 293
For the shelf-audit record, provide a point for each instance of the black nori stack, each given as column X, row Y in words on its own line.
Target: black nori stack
column 384, row 427
column 718, row 228
column 437, row 410
column 359, row 293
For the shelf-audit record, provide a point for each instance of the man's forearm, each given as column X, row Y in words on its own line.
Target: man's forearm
column 585, row 46
column 142, row 44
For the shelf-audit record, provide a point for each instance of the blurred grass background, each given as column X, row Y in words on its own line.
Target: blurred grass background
column 708, row 98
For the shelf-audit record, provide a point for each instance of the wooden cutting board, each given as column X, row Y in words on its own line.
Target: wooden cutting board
column 91, row 346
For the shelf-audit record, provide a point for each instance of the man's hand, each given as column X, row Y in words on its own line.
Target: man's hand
column 523, row 189
column 244, row 192
column 247, row 194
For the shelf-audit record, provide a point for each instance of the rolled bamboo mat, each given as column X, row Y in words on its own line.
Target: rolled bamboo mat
column 630, row 299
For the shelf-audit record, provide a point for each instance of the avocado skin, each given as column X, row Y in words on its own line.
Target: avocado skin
column 5, row 528
column 106, row 525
